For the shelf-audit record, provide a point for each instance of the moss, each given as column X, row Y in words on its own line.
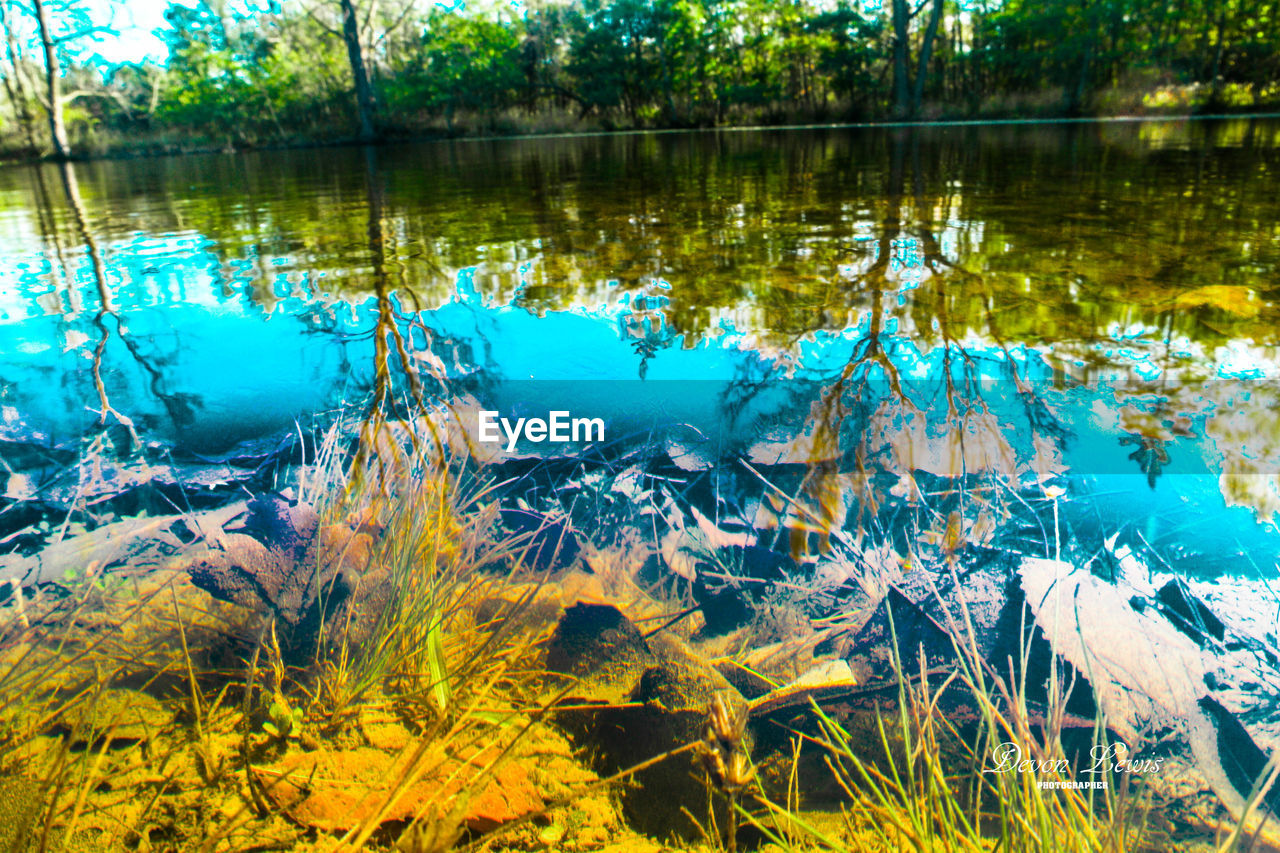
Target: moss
column 20, row 806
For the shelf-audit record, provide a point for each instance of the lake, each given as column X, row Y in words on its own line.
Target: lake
column 877, row 311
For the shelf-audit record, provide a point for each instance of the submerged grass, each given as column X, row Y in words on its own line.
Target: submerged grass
column 466, row 681
column 920, row 783
column 138, row 714
column 205, row 702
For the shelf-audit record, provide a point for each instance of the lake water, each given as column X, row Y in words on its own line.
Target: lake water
column 872, row 313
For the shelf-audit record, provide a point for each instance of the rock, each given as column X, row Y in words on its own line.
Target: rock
column 677, row 693
column 829, row 679
column 660, row 693
column 727, row 603
column 281, row 560
column 1153, row 680
column 1189, row 675
column 138, row 542
column 598, row 645
column 916, row 634
column 749, row 683
column 1188, row 614
column 1116, row 644
column 725, row 607
column 1243, row 763
column 334, row 791
column 105, row 484
column 266, row 566
column 282, row 526
column 550, row 543
column 982, row 603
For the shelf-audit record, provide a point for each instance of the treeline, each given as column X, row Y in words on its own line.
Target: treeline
column 243, row 74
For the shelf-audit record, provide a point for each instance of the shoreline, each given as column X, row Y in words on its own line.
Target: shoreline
column 142, row 152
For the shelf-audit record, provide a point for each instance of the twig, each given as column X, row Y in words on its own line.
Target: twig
column 673, row 620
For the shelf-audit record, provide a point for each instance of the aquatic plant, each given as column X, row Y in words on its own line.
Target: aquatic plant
column 414, row 689
column 143, row 692
column 462, row 679
column 922, row 783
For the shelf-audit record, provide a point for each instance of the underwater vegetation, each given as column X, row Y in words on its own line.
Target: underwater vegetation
column 399, row 650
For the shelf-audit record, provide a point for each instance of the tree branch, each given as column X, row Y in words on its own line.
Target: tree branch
column 312, row 15
column 408, row 7
column 86, row 32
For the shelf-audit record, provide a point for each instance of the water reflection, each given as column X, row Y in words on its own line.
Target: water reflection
column 966, row 306
column 1062, row 231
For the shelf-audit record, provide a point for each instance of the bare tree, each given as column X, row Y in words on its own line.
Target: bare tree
column 15, row 83
column 54, row 100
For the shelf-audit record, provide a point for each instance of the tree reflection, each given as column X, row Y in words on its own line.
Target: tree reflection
column 179, row 406
column 895, row 413
column 919, row 250
column 1085, row 234
column 106, row 303
column 397, row 403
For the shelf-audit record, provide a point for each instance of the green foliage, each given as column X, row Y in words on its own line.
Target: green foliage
column 462, row 64
column 246, row 78
column 252, row 72
column 285, row 722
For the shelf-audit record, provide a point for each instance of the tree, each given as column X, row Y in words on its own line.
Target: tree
column 471, row 63
column 612, row 58
column 245, row 71
column 848, row 54
column 356, row 36
column 55, row 35
column 359, row 74
column 901, row 58
column 15, row 79
column 907, row 98
column 926, row 53
column 53, row 83
column 76, row 24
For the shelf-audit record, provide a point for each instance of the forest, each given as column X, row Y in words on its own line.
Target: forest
column 244, row 73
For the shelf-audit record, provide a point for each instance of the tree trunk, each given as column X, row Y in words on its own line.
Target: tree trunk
column 364, row 93
column 1215, row 73
column 1076, row 93
column 13, row 83
column 974, row 82
column 668, row 93
column 901, row 85
column 1210, row 16
column 53, row 78
column 926, row 53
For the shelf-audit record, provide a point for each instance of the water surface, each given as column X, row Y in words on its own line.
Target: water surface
column 1093, row 304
